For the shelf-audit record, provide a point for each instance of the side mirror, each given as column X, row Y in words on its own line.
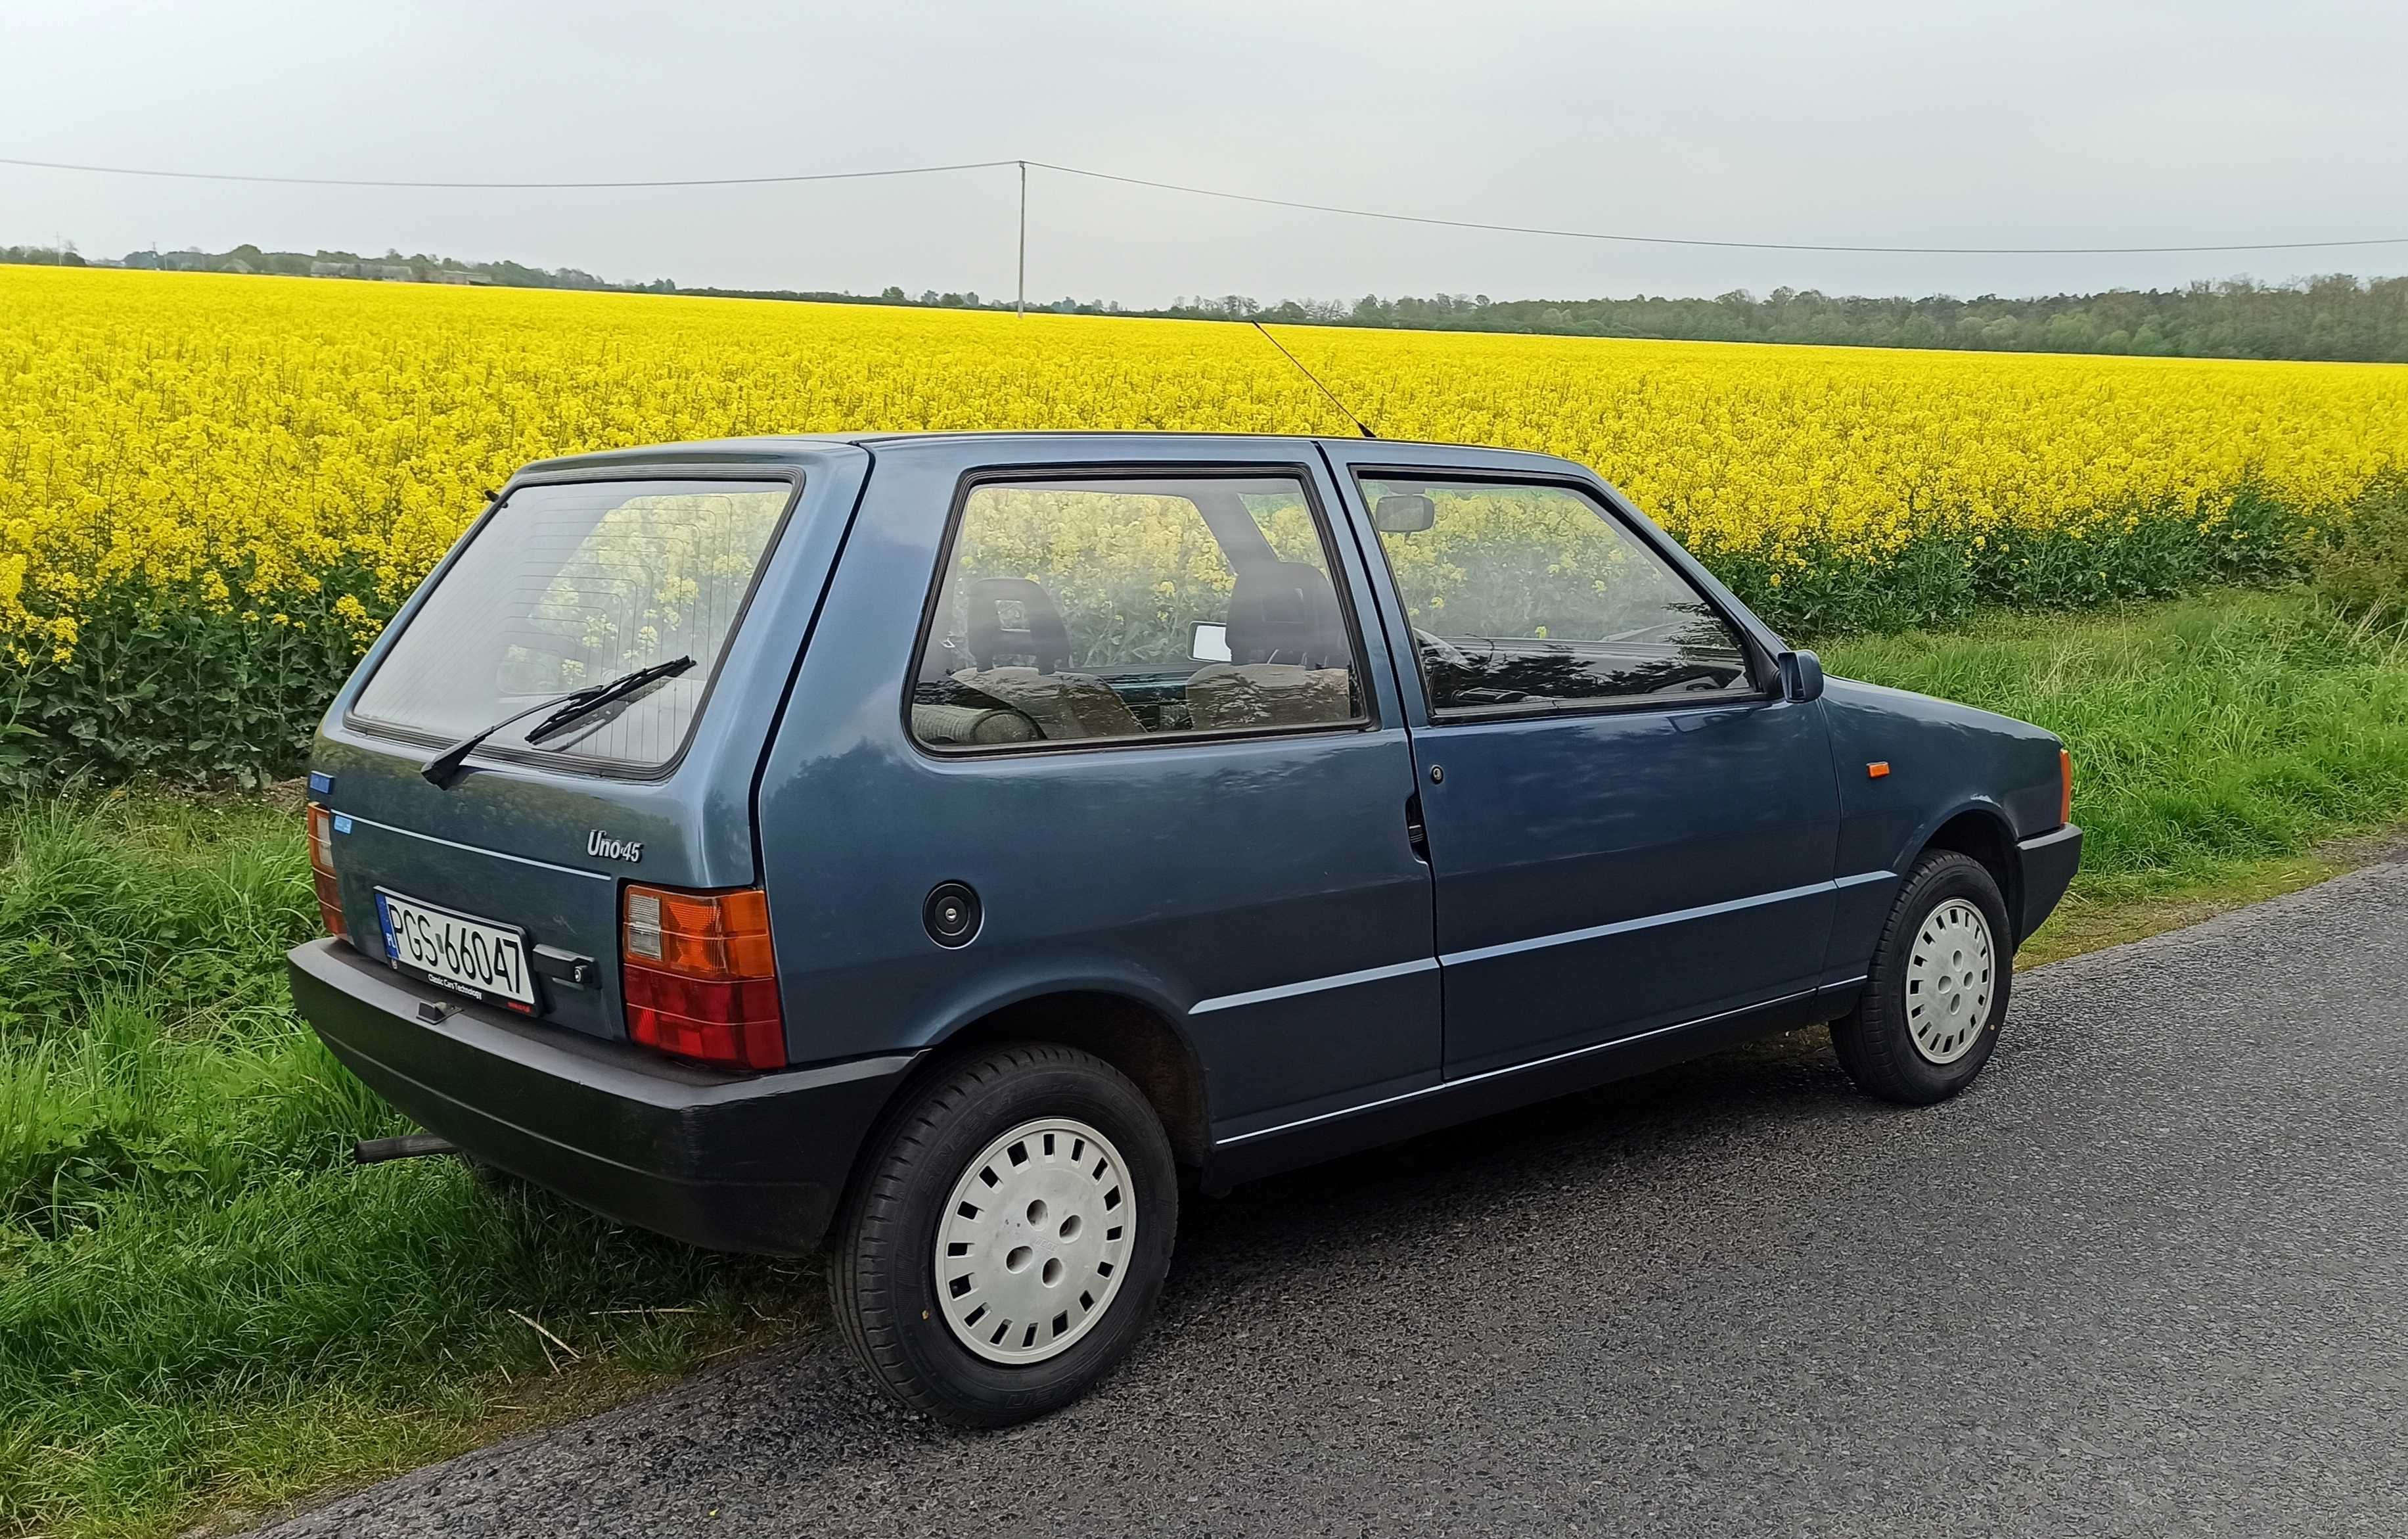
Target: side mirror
column 1208, row 643
column 1403, row 513
column 1801, row 675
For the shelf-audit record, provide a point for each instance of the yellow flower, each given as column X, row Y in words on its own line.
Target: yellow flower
column 305, row 450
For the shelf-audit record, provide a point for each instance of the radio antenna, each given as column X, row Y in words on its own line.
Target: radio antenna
column 1360, row 425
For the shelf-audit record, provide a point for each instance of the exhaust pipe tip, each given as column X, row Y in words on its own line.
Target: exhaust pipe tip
column 375, row 1151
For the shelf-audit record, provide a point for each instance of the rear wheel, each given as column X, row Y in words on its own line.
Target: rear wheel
column 1936, row 993
column 1009, row 1235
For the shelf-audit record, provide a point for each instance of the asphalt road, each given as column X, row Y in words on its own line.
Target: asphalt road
column 2147, row 1277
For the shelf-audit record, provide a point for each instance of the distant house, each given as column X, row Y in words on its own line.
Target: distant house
column 333, row 269
column 389, row 272
column 237, row 265
column 450, row 275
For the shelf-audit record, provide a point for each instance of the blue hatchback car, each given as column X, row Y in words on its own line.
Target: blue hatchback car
column 951, row 846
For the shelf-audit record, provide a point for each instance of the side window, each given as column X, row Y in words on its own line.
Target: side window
column 1527, row 597
column 1079, row 609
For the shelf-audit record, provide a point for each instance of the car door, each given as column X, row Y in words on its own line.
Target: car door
column 1630, row 826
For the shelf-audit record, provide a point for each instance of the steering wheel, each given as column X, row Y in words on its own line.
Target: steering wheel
column 1447, row 651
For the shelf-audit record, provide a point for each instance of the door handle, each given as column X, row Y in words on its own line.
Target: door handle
column 1416, row 832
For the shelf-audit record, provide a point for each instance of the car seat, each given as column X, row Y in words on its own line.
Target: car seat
column 1064, row 706
column 1290, row 660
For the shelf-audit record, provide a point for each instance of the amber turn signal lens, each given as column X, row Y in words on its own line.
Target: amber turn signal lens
column 322, row 870
column 2065, row 783
column 701, row 934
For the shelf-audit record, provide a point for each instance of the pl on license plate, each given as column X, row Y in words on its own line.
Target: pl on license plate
column 451, row 949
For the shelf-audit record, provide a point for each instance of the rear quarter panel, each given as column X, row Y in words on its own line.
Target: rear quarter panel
column 1179, row 876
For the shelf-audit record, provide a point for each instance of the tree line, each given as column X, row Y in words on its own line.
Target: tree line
column 248, row 258
column 2335, row 316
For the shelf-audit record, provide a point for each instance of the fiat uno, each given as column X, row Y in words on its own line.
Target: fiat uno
column 949, row 848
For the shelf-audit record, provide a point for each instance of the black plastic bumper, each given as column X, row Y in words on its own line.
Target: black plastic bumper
column 751, row 1163
column 2048, row 864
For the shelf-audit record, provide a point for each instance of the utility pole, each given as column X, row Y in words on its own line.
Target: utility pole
column 1020, row 306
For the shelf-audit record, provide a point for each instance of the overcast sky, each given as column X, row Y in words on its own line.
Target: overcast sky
column 1855, row 121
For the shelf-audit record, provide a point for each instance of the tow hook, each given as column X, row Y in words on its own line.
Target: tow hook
column 375, row 1151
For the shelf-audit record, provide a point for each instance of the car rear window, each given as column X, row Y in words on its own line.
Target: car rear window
column 576, row 583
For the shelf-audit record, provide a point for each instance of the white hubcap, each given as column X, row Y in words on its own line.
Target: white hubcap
column 1949, row 978
column 1035, row 1240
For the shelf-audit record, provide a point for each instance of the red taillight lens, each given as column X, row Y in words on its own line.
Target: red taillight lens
column 698, row 976
column 2065, row 793
column 322, row 870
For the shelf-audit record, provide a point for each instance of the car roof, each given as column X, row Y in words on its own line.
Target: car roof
column 783, row 448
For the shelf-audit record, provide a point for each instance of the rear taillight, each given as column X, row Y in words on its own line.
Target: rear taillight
column 322, row 870
column 2065, row 787
column 698, row 973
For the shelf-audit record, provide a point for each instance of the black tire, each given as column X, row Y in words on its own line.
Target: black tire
column 882, row 1277
column 1876, row 1041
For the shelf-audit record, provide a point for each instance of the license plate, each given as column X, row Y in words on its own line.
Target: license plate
column 474, row 957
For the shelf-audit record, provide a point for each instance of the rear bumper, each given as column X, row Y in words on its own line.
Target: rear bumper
column 2048, row 864
column 750, row 1164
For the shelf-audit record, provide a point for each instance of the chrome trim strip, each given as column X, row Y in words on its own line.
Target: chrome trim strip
column 1311, row 986
column 1511, row 1069
column 477, row 849
column 1623, row 927
column 1482, row 954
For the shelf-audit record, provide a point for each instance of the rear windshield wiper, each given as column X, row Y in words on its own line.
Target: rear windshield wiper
column 564, row 708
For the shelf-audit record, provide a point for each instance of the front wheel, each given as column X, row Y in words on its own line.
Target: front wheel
column 1937, row 993
column 1009, row 1236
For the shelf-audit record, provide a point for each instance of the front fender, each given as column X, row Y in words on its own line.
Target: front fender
column 1908, row 766
column 1919, row 837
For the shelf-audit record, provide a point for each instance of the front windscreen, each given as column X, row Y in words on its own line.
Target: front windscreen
column 574, row 584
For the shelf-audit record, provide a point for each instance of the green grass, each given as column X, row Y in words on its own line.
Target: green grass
column 201, row 1302
column 2208, row 734
column 203, row 1306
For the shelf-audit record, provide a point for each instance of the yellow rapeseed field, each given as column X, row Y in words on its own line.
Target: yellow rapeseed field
column 249, row 455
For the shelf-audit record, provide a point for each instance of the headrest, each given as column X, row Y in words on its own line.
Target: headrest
column 1286, row 613
column 1036, row 632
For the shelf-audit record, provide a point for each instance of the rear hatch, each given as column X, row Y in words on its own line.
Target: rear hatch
column 506, row 885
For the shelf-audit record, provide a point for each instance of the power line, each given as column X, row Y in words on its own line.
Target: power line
column 1221, row 194
column 509, row 186
column 1725, row 245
